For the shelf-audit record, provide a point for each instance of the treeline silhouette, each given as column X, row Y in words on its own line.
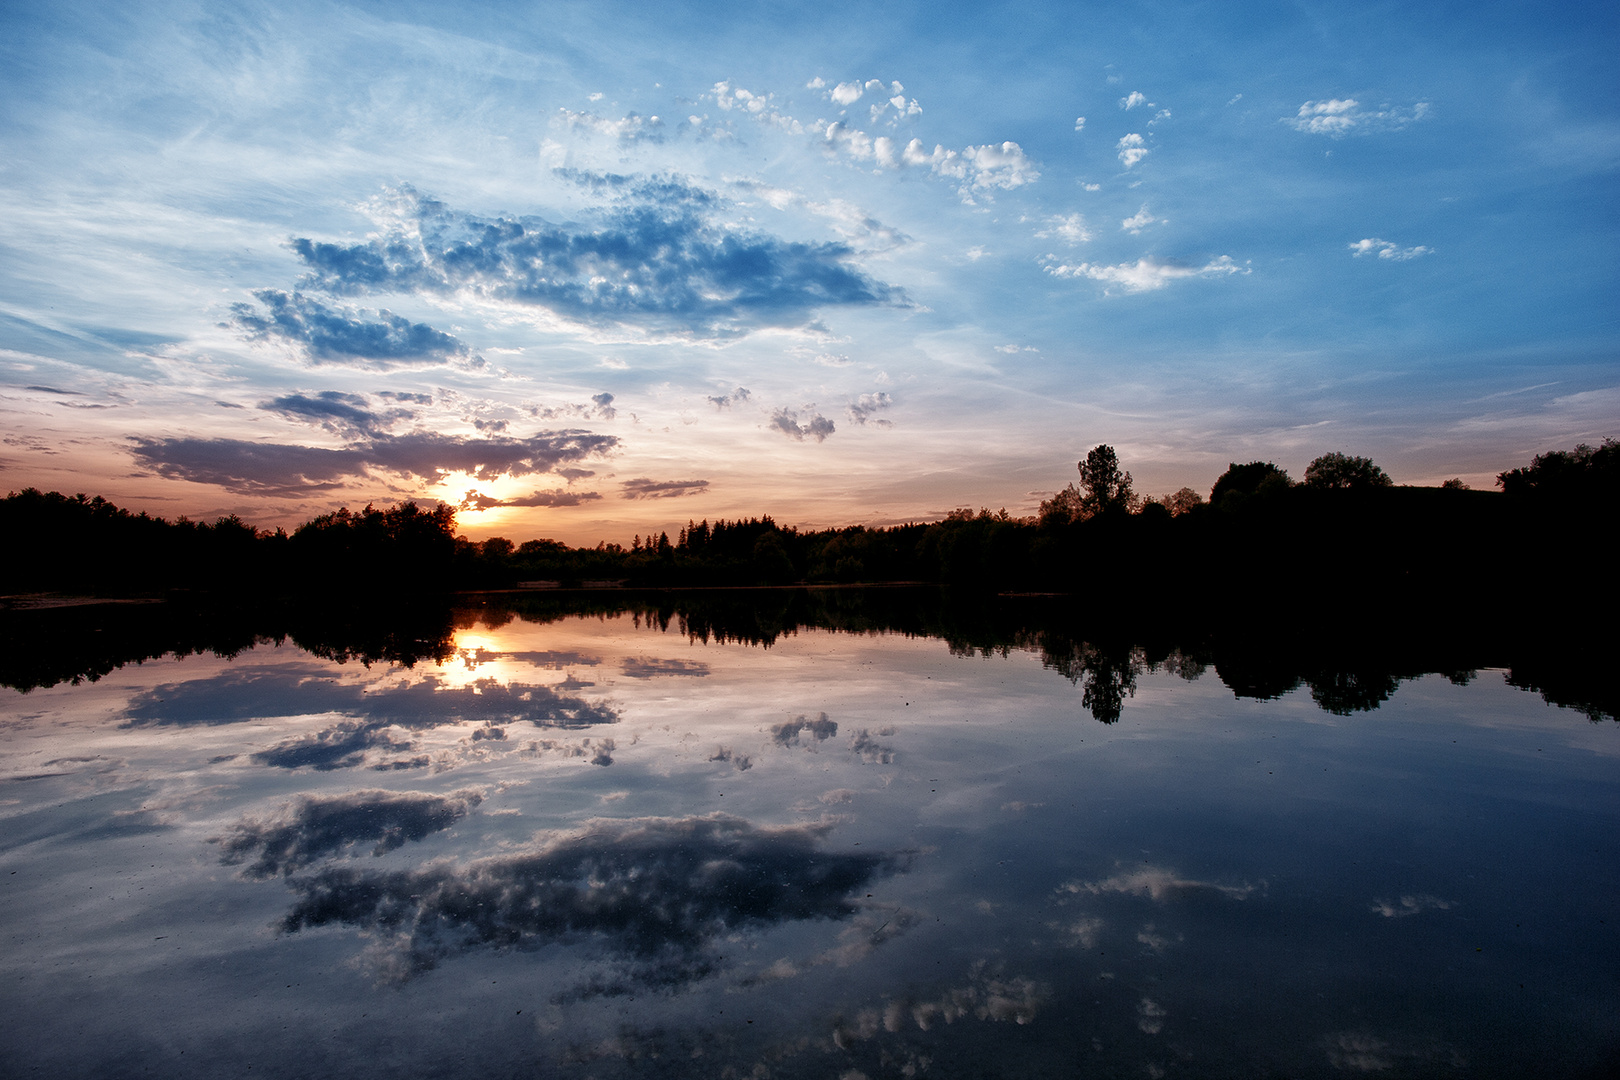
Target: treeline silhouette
column 1348, row 663
column 1344, row 536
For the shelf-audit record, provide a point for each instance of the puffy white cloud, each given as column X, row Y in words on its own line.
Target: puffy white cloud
column 846, row 93
column 841, row 137
column 1146, row 273
column 979, row 169
column 1070, row 228
column 1132, row 149
column 1133, row 99
column 902, row 108
column 1000, row 165
column 1138, row 221
column 730, row 97
column 737, row 99
column 1386, row 249
column 1079, row 123
column 883, row 150
column 1333, row 117
column 1337, row 117
column 816, row 83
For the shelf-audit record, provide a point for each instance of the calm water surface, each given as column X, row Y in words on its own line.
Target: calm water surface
column 598, row 846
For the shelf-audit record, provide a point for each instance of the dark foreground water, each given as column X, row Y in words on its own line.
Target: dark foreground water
column 631, row 844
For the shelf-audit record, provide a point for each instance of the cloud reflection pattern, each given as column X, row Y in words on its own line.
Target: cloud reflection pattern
column 313, row 827
column 657, row 891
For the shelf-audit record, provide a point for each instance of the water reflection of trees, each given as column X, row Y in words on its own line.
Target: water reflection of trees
column 40, row 648
column 1348, row 663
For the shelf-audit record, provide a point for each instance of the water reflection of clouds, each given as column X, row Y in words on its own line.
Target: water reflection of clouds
column 372, row 716
column 739, row 761
column 314, row 827
column 243, row 694
column 1410, row 905
column 653, row 892
column 640, row 667
column 1073, row 811
column 989, row 995
column 802, row 731
column 1156, row 883
column 865, row 744
column 475, row 656
column 1364, row 1052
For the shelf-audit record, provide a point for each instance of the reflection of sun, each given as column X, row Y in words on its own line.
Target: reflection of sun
column 479, row 655
column 474, row 640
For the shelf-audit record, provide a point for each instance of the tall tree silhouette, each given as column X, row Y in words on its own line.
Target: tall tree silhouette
column 1106, row 487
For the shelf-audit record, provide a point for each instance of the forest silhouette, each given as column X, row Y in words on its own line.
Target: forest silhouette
column 1345, row 535
column 1348, row 663
column 1345, row 583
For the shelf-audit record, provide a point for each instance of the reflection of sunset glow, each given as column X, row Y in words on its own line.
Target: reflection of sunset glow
column 585, row 788
column 480, row 654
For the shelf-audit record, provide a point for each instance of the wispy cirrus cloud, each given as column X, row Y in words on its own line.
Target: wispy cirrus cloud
column 1145, row 274
column 1337, row 117
column 1157, row 883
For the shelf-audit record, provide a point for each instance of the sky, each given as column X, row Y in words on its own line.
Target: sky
column 585, row 270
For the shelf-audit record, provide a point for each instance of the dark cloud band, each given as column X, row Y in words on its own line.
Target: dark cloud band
column 314, row 827
column 342, row 335
column 280, row 468
column 643, row 889
column 644, row 488
column 653, row 261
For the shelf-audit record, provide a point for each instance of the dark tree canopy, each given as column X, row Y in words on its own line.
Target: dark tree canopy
column 1345, row 471
column 1247, row 479
column 1182, row 501
column 1585, row 471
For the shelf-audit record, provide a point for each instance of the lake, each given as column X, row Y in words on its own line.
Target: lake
column 819, row 834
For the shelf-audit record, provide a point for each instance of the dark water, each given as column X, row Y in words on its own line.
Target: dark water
column 790, row 835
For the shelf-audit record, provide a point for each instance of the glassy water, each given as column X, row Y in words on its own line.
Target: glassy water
column 623, row 844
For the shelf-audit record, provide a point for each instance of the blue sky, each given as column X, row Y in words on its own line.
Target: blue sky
column 592, row 269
